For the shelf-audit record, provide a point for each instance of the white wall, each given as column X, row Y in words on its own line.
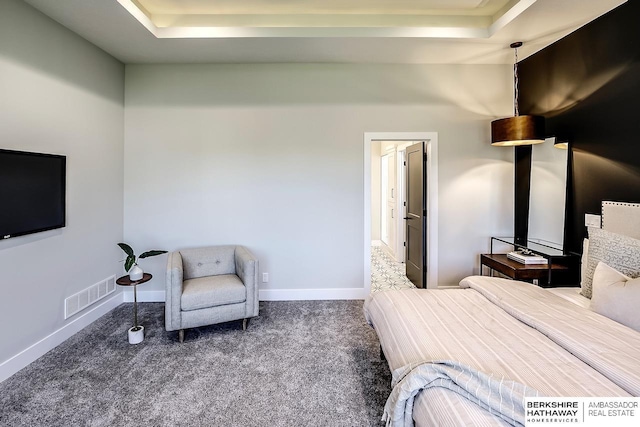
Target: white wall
column 270, row 156
column 59, row 94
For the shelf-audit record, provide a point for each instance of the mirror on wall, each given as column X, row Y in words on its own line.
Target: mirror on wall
column 548, row 192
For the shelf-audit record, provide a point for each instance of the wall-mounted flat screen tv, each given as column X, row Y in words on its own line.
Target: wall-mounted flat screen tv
column 32, row 192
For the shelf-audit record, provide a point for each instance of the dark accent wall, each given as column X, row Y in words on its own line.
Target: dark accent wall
column 587, row 85
column 522, row 186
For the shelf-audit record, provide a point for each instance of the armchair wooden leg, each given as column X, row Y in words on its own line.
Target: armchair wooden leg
column 181, row 335
column 244, row 324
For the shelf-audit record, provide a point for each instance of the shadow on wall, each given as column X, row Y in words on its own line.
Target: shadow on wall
column 21, row 50
column 29, row 238
column 322, row 84
column 594, row 165
column 578, row 66
column 569, row 92
column 471, row 187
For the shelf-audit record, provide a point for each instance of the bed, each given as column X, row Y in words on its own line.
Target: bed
column 452, row 351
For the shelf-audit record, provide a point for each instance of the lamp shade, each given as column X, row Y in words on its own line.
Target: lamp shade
column 517, row 130
column 563, row 145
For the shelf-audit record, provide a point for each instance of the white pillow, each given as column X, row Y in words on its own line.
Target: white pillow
column 618, row 251
column 616, row 296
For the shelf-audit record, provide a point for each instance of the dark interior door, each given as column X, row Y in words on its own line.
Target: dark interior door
column 416, row 214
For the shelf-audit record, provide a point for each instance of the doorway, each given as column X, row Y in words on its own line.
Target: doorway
column 394, row 238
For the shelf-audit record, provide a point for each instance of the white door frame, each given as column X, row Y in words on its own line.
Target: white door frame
column 431, row 138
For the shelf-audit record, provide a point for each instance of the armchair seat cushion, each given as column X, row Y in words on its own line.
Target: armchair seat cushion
column 212, row 291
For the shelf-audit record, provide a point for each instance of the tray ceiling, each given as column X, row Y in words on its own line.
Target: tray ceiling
column 347, row 31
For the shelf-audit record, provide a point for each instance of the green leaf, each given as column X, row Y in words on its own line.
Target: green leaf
column 152, row 253
column 131, row 259
column 127, row 249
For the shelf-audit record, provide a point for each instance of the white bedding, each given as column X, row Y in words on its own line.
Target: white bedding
column 572, row 295
column 473, row 327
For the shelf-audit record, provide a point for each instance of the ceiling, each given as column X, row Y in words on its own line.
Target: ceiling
column 334, row 31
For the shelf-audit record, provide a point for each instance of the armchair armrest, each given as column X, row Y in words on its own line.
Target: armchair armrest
column 174, row 278
column 247, row 271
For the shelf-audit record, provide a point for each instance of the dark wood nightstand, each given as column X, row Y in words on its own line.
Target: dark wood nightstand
column 561, row 269
column 518, row 271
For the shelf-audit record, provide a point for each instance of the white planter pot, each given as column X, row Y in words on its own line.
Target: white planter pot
column 136, row 335
column 135, row 273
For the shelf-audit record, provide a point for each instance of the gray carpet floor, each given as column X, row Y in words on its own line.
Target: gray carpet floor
column 300, row 363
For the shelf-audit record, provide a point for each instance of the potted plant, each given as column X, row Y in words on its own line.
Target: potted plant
column 130, row 264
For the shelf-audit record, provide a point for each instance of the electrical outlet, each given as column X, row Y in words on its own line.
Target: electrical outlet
column 265, row 277
column 592, row 220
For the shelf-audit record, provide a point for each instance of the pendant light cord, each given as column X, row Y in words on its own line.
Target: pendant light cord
column 515, row 82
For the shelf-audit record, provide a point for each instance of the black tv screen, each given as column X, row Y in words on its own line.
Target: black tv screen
column 32, row 192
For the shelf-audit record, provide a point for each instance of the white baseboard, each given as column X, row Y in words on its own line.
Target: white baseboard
column 311, row 294
column 33, row 352
column 268, row 294
column 144, row 296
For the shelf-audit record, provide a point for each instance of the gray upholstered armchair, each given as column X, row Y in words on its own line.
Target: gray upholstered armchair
column 210, row 285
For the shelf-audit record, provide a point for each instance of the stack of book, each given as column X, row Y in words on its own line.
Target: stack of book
column 527, row 257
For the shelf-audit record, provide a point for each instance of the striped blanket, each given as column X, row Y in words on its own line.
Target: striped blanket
column 498, row 396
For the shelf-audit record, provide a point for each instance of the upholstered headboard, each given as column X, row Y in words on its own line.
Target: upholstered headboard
column 621, row 218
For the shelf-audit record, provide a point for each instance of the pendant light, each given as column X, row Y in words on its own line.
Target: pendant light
column 563, row 145
column 517, row 130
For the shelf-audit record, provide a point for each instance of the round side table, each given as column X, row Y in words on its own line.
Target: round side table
column 136, row 332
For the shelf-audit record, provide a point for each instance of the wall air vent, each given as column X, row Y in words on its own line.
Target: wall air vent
column 86, row 297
